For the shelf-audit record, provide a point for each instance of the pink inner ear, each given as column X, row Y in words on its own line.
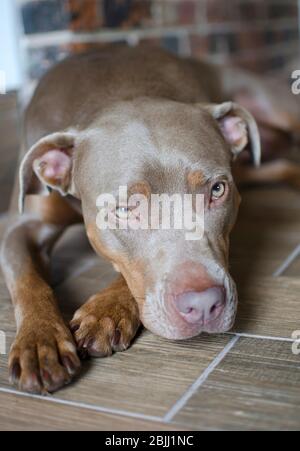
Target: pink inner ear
column 55, row 165
column 234, row 130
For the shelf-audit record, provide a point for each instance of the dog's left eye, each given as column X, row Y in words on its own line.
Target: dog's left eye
column 122, row 212
column 218, row 190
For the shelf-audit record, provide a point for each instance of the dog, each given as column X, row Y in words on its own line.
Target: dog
column 144, row 119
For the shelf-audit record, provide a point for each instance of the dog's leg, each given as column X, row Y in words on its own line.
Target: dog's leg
column 280, row 171
column 43, row 357
column 108, row 322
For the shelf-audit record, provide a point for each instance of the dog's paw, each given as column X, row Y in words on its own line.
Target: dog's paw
column 43, row 358
column 107, row 323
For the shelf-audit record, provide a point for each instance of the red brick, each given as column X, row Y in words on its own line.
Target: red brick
column 187, row 12
column 221, row 11
column 250, row 40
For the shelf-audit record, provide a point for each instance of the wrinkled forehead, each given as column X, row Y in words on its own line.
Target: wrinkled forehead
column 137, row 143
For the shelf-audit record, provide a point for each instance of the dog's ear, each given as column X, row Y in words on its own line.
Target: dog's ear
column 48, row 166
column 238, row 127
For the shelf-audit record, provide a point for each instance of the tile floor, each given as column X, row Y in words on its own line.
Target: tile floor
column 248, row 379
column 9, row 132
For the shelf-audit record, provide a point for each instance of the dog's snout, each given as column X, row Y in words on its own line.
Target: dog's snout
column 201, row 307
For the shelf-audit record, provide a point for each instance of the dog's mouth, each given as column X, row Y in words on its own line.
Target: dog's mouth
column 177, row 327
column 186, row 301
column 186, row 314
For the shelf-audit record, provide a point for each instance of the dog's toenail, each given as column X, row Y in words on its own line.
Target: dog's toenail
column 83, row 354
column 116, row 338
column 69, row 364
column 88, row 343
column 75, row 328
column 15, row 372
column 80, row 344
column 46, row 377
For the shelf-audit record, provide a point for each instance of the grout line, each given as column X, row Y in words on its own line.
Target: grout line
column 291, row 258
column 200, row 381
column 177, row 406
column 261, row 337
column 64, row 402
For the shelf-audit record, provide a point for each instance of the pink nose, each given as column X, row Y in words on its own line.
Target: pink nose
column 201, row 307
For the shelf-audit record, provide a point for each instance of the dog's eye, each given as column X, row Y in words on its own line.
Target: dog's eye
column 122, row 212
column 218, row 190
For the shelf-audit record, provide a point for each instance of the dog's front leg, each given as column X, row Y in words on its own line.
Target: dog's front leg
column 108, row 322
column 43, row 357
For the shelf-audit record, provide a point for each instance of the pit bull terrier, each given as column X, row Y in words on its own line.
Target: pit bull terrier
column 152, row 122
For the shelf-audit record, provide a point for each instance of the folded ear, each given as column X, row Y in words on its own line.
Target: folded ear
column 48, row 166
column 238, row 127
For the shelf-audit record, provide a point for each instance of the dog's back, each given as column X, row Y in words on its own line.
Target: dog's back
column 81, row 86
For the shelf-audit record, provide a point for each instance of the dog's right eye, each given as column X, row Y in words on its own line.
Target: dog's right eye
column 218, row 191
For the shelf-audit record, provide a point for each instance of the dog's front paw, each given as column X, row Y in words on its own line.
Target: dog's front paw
column 107, row 323
column 43, row 357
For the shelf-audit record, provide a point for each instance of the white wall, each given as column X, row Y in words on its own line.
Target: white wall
column 10, row 59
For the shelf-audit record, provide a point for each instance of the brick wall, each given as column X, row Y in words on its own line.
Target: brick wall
column 261, row 35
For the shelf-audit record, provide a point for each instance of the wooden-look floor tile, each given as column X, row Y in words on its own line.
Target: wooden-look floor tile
column 7, row 319
column 294, row 269
column 7, row 322
column 269, row 307
column 29, row 414
column 266, row 233
column 72, row 255
column 3, row 222
column 9, row 146
column 256, row 387
column 75, row 291
column 147, row 379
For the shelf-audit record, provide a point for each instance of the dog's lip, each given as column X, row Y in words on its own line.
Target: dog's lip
column 164, row 295
column 181, row 329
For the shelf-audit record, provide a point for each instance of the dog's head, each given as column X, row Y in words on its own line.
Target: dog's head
column 178, row 276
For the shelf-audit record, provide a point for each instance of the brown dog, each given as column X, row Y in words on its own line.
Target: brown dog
column 156, row 124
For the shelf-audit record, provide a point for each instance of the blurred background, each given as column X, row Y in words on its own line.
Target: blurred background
column 257, row 35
